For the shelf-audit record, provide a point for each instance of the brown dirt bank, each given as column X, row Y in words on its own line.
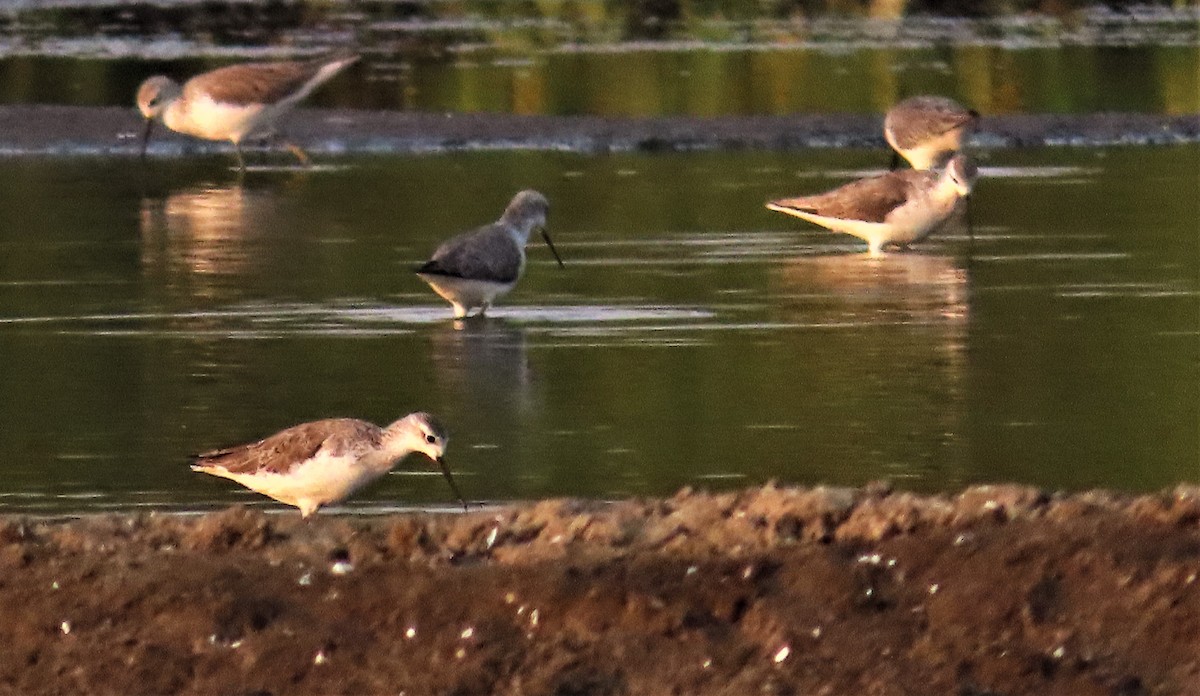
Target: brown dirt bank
column 63, row 130
column 999, row 590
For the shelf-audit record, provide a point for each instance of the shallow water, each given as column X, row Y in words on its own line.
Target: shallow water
column 693, row 337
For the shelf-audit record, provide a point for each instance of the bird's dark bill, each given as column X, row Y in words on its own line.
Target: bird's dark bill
column 441, row 461
column 554, row 251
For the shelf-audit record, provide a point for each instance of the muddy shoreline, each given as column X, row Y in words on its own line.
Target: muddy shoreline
column 64, row 130
column 996, row 590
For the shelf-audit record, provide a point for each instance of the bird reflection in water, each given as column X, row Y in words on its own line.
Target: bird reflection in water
column 483, row 360
column 208, row 242
column 483, row 374
column 894, row 367
column 914, row 288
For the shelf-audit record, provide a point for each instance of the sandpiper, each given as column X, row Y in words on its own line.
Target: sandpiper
column 472, row 269
column 898, row 208
column 322, row 462
column 927, row 131
column 236, row 101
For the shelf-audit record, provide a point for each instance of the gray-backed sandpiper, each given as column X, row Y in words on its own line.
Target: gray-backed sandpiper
column 474, row 268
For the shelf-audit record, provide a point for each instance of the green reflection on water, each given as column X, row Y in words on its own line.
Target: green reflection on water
column 693, row 338
column 1070, row 79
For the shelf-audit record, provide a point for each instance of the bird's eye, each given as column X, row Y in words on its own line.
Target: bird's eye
column 430, row 439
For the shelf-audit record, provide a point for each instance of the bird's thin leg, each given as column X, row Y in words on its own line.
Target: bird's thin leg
column 237, row 150
column 146, row 137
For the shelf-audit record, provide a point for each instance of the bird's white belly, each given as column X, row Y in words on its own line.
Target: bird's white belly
column 321, row 480
column 908, row 223
column 212, row 120
column 466, row 292
column 914, row 221
column 874, row 233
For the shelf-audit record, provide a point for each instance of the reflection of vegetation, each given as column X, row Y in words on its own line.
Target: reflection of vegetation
column 599, row 57
column 1075, row 79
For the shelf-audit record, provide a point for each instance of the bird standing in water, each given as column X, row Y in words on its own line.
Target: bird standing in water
column 474, row 268
column 900, row 207
column 236, row 101
column 927, row 130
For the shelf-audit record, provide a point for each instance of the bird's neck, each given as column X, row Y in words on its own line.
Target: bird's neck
column 397, row 442
column 947, row 189
column 383, row 459
column 175, row 116
column 519, row 233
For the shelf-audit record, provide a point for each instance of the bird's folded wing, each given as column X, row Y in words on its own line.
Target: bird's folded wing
column 868, row 200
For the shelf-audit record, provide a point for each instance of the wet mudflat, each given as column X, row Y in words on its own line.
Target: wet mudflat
column 72, row 130
column 997, row 590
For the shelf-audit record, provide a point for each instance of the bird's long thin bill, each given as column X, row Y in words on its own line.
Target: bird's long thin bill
column 450, row 479
column 554, row 251
column 146, row 136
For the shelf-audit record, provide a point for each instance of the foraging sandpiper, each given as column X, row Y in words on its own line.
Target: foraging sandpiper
column 900, row 207
column 315, row 464
column 474, row 268
column 236, row 101
column 927, row 131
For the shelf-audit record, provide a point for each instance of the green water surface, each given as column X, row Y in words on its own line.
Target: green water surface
column 694, row 338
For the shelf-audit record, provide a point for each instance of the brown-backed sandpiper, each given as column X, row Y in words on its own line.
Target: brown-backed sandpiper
column 323, row 462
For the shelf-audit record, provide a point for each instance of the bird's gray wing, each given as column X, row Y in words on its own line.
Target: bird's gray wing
column 488, row 253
